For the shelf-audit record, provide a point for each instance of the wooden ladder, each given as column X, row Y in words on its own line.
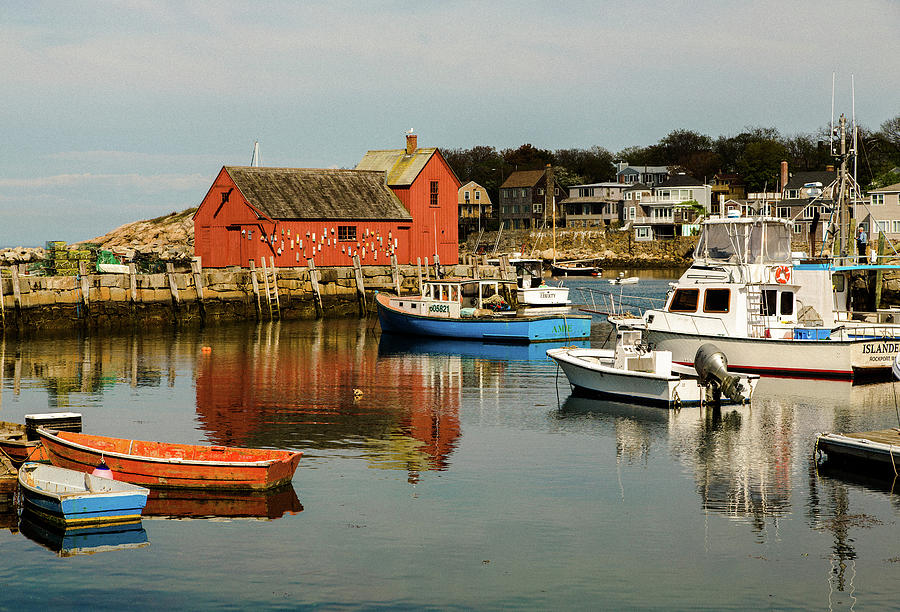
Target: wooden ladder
column 756, row 327
column 270, row 284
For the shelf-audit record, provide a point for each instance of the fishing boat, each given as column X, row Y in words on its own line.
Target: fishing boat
column 82, row 540
column 474, row 309
column 532, row 289
column 621, row 279
column 633, row 373
column 579, row 267
column 70, row 497
column 161, row 464
column 770, row 312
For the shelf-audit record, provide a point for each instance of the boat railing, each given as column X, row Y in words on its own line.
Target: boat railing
column 853, row 330
column 616, row 304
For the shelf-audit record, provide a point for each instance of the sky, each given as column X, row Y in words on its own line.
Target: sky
column 118, row 111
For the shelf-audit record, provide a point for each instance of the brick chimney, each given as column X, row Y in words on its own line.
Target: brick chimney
column 411, row 143
column 784, row 175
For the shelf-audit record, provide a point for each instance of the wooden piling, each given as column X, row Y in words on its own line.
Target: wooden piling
column 360, row 286
column 196, row 268
column 419, row 271
column 255, row 282
column 85, row 284
column 2, row 311
column 132, row 282
column 173, row 286
column 504, row 267
column 395, row 272
column 437, row 266
column 427, row 270
column 314, row 281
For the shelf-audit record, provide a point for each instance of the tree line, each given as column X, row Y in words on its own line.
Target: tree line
column 755, row 155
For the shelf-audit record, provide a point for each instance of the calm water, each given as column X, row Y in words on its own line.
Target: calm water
column 461, row 477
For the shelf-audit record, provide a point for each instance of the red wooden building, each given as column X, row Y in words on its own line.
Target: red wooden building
column 293, row 214
column 428, row 188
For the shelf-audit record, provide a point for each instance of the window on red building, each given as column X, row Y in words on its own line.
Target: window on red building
column 434, row 193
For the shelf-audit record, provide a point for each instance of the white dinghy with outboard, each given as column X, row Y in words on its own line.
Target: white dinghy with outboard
column 633, row 373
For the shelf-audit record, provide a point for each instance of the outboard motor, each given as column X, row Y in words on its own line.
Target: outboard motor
column 712, row 368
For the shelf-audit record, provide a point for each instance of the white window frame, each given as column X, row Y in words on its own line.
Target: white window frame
column 877, row 199
column 896, row 226
column 642, row 232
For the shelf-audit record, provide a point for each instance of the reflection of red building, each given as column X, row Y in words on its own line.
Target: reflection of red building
column 293, row 391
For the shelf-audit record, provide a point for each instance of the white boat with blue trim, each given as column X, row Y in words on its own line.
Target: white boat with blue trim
column 771, row 312
column 475, row 309
column 71, row 498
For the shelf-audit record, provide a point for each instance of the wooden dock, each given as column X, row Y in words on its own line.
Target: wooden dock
column 8, row 484
column 875, row 449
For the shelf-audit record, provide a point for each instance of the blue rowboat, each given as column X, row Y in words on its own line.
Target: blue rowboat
column 474, row 309
column 70, row 498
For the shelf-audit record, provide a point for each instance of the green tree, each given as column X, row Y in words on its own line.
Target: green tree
column 760, row 164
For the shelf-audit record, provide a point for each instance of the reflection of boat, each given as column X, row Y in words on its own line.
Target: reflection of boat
column 83, row 540
column 473, row 309
column 393, row 344
column 192, row 503
column 73, row 498
column 581, row 267
column 632, row 373
column 160, row 464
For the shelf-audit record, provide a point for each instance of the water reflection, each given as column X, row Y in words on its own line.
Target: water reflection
column 185, row 504
column 282, row 386
column 82, row 541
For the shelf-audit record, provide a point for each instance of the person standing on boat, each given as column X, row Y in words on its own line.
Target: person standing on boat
column 862, row 240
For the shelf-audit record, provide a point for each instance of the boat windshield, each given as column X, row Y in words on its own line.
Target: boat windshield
column 758, row 242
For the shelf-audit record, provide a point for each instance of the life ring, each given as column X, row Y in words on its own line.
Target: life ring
column 782, row 275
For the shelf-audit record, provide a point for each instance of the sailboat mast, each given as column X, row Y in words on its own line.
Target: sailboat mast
column 548, row 202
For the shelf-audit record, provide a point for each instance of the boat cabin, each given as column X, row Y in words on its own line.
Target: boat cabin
column 455, row 298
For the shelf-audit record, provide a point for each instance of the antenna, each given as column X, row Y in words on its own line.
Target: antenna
column 254, row 159
column 855, row 130
column 831, row 135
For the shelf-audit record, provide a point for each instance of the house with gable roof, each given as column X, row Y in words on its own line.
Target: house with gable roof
column 287, row 215
column 426, row 185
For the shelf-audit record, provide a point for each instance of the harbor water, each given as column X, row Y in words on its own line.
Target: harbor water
column 452, row 475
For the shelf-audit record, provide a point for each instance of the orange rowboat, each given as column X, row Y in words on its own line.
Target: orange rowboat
column 160, row 464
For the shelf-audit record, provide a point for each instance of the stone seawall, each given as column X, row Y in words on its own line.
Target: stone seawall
column 57, row 304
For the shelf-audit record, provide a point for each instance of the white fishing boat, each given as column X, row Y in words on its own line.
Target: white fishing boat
column 621, row 279
column 532, row 290
column 633, row 373
column 770, row 313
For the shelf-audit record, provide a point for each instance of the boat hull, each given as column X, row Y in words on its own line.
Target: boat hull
column 598, row 378
column 561, row 270
column 14, row 443
column 543, row 296
column 827, row 359
column 513, row 329
column 156, row 464
column 53, row 494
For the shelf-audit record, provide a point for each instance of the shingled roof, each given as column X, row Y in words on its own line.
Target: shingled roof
column 523, row 178
column 400, row 168
column 315, row 193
